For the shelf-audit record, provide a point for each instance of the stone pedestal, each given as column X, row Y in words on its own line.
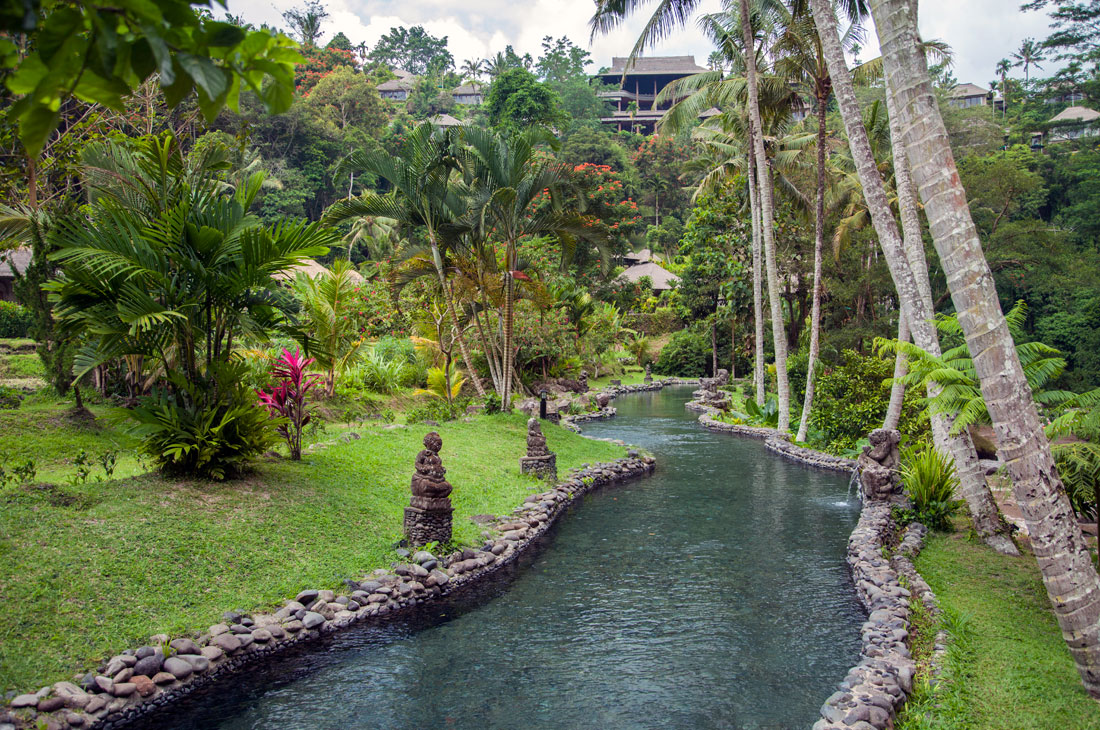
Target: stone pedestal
column 429, row 514
column 539, row 461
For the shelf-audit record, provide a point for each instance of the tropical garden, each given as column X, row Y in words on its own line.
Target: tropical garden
column 240, row 273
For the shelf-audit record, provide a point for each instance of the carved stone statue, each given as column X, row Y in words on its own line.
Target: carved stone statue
column 878, row 464
column 428, row 516
column 708, row 392
column 648, row 374
column 722, row 377
column 540, row 460
column 584, row 381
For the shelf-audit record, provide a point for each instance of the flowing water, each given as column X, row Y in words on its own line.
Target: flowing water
column 713, row 594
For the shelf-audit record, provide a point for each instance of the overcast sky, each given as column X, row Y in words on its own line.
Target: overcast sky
column 980, row 31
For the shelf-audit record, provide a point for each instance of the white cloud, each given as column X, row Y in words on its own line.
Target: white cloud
column 980, row 31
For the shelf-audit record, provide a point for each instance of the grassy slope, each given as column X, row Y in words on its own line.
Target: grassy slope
column 1009, row 668
column 91, row 569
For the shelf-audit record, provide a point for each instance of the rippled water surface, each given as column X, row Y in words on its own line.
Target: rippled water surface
column 713, row 594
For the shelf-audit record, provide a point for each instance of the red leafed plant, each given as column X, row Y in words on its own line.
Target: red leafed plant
column 287, row 400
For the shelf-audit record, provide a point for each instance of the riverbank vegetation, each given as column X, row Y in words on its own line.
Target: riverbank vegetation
column 236, row 243
column 97, row 562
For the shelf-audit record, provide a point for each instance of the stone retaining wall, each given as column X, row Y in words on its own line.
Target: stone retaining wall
column 116, row 694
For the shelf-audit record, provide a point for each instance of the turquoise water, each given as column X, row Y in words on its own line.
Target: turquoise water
column 713, row 594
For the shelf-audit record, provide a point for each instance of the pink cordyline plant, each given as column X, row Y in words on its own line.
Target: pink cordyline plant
column 287, row 400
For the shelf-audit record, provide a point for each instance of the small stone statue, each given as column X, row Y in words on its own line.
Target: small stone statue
column 540, row 460
column 584, row 381
column 878, row 464
column 428, row 516
column 648, row 374
column 722, row 377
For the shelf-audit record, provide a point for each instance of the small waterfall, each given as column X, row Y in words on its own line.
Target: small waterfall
column 854, row 483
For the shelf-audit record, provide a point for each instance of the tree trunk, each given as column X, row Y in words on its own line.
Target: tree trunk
column 819, row 245
column 508, row 355
column 767, row 221
column 757, row 284
column 915, row 308
column 459, row 335
column 733, row 348
column 714, row 346
column 1072, row 583
column 973, row 487
column 897, row 389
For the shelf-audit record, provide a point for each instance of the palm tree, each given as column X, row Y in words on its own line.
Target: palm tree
column 423, row 194
column 1069, row 575
column 507, row 182
column 472, row 68
column 1002, row 69
column 801, row 61
column 327, row 301
column 1029, row 55
column 915, row 307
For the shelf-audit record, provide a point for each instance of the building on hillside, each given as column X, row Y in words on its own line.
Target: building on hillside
column 397, row 89
column 1074, row 123
column 638, row 83
column 446, row 120
column 312, row 269
column 659, row 277
column 17, row 259
column 964, row 96
column 637, row 257
column 471, row 93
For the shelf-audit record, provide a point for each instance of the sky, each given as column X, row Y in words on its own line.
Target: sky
column 981, row 32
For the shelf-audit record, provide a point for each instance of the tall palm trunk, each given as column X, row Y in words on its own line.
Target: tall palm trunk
column 973, row 486
column 915, row 308
column 757, row 283
column 509, row 317
column 767, row 221
column 448, row 297
column 1071, row 580
column 819, row 245
column 897, row 390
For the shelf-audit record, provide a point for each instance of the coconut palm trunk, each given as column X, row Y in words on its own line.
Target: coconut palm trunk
column 897, row 390
column 819, row 245
column 757, row 283
column 767, row 221
column 915, row 308
column 1071, row 580
column 973, row 487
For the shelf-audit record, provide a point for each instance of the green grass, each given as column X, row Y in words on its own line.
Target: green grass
column 92, row 569
column 633, row 375
column 1008, row 667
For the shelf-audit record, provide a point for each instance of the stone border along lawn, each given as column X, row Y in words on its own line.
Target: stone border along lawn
column 877, row 687
column 138, row 682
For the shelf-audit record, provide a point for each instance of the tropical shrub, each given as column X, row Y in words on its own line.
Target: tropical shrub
column 329, row 308
column 15, row 320
column 287, row 400
column 437, row 385
column 766, row 415
column 930, row 481
column 1078, row 465
column 381, row 374
column 851, row 400
column 208, row 427
column 686, row 355
column 639, row 350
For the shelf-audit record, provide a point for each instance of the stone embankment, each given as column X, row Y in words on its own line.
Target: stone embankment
column 876, row 687
column 149, row 679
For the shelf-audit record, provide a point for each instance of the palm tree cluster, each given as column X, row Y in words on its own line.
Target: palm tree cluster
column 472, row 197
column 800, row 38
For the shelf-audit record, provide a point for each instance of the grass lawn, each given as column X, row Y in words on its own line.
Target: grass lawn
column 633, row 375
column 1008, row 667
column 95, row 568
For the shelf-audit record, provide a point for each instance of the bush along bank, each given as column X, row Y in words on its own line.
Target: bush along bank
column 149, row 679
column 879, row 559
